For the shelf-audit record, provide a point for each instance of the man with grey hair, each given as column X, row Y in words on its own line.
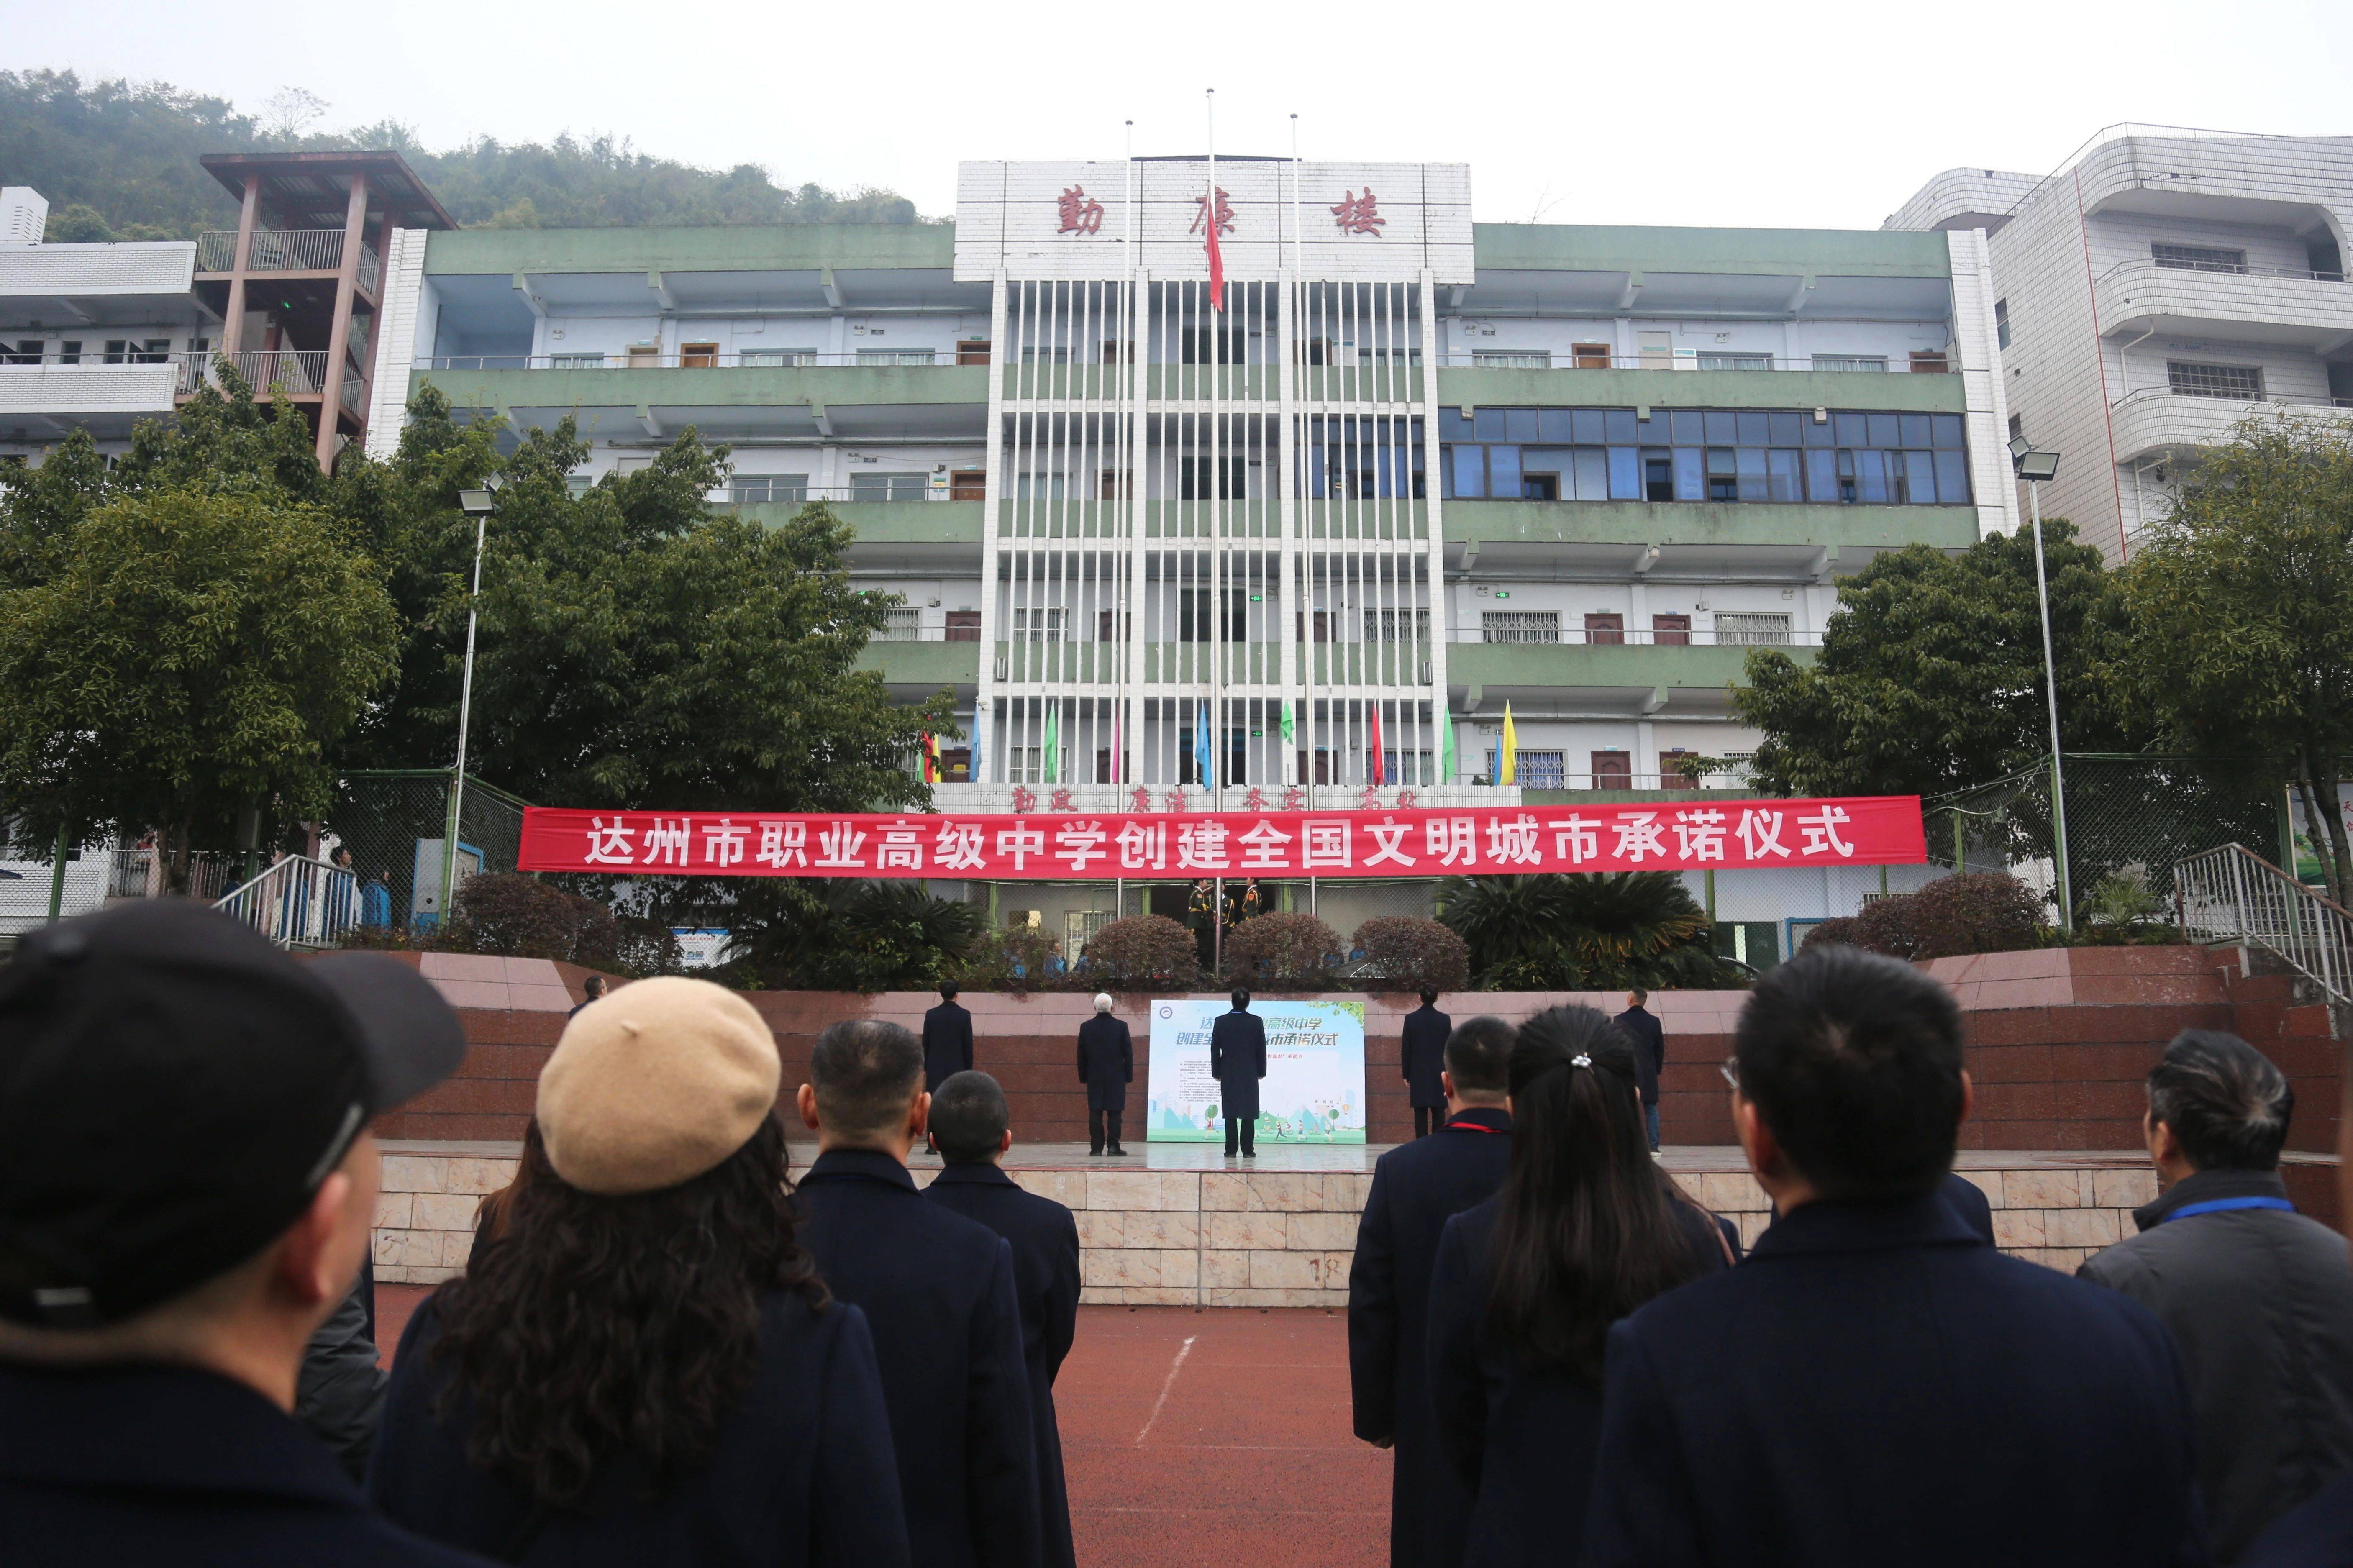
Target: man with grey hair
column 2259, row 1297
column 938, row 1293
column 1106, row 1066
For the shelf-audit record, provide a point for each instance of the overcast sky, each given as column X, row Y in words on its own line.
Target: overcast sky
column 1799, row 112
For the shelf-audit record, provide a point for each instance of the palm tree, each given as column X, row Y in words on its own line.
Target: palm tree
column 1584, row 931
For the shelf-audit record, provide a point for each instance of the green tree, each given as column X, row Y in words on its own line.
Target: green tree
column 193, row 655
column 1930, row 675
column 2241, row 606
column 1574, row 931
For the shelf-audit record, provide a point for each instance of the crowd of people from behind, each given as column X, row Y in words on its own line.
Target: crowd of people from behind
column 665, row 1349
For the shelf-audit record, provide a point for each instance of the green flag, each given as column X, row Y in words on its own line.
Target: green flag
column 1287, row 731
column 1054, row 742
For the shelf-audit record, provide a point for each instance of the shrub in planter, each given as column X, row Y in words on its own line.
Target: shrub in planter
column 1415, row 956
column 1015, row 958
column 1839, row 931
column 1140, row 950
column 519, row 916
column 1981, row 911
column 1281, row 948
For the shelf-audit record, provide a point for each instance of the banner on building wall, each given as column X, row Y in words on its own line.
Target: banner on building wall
column 1039, row 846
column 1313, row 1091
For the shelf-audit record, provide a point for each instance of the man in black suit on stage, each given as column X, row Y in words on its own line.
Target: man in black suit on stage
column 1238, row 1060
column 1425, row 1031
column 1106, row 1066
column 947, row 1040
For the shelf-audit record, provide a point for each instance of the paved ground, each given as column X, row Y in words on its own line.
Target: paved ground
column 1193, row 1436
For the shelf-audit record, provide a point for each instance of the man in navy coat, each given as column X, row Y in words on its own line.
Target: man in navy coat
column 1875, row 1384
column 971, row 1128
column 939, row 1294
column 1417, row 1187
column 1649, row 1037
column 1106, row 1066
column 1423, row 1040
column 947, row 1040
column 1238, row 1060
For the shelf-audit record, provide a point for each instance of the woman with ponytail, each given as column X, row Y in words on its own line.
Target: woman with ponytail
column 1584, row 1230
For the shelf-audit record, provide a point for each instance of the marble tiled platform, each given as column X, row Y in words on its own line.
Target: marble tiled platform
column 1179, row 1224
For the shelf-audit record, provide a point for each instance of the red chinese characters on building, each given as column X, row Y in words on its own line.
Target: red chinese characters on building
column 1225, row 213
column 1359, row 214
column 1079, row 213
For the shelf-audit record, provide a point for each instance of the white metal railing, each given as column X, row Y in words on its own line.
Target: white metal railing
column 215, row 249
column 746, row 492
column 2150, row 264
column 731, row 359
column 2232, row 894
column 296, row 371
column 1609, row 636
column 2142, row 394
column 142, row 873
column 1686, row 359
column 287, row 250
column 370, row 267
column 297, row 902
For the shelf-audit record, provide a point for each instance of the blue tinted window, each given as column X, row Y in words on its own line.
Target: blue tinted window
column 1752, row 475
column 1452, row 424
column 1782, row 470
column 1723, row 427
column 1853, row 429
column 1489, row 422
column 1952, row 477
column 1870, row 477
column 1821, row 474
column 1554, row 425
column 1688, row 427
column 1756, row 430
column 1621, row 428
column 1917, row 427
column 1822, row 435
column 1469, row 471
column 1886, row 430
column 1519, row 425
column 1586, row 427
column 1502, row 472
column 1625, row 473
column 1788, row 430
column 1948, row 431
column 1721, row 484
column 1691, row 473
column 1919, row 476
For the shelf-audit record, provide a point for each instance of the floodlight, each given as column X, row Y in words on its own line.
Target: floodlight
column 2037, row 466
column 476, row 503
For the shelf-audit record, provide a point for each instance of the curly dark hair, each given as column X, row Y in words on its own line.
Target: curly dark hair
column 600, row 1325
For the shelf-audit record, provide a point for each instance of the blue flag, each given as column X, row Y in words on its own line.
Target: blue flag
column 1201, row 749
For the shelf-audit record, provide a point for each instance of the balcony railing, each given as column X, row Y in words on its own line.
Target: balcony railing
column 2142, row 394
column 756, row 494
column 295, row 371
column 286, row 250
column 1680, row 359
column 743, row 359
column 1606, row 637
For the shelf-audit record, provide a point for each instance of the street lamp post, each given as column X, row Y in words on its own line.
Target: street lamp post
column 2035, row 467
column 478, row 505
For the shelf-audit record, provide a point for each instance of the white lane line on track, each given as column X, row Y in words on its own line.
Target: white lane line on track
column 1162, row 1402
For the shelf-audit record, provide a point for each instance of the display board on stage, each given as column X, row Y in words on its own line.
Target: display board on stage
column 1652, row 836
column 1313, row 1091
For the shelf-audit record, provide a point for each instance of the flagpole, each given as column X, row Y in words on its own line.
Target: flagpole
column 1216, row 774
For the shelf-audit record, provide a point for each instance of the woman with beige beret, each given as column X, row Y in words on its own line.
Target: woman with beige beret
column 646, row 1367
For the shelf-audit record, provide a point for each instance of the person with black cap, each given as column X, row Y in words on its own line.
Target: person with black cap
column 1238, row 1060
column 188, row 1186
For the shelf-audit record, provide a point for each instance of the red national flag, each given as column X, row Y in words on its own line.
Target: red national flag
column 1375, row 771
column 1217, row 256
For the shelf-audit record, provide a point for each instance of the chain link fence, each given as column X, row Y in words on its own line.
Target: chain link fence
column 394, row 823
column 2127, row 815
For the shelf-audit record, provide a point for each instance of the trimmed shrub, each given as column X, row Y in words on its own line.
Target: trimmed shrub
column 519, row 916
column 1981, row 911
column 1839, row 931
column 1279, row 948
column 1014, row 958
column 1414, row 955
column 1141, row 950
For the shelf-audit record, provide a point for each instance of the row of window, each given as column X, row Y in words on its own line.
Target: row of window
column 115, row 350
column 1706, row 455
column 1733, row 627
column 1598, row 356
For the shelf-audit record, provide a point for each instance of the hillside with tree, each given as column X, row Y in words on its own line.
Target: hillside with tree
column 117, row 159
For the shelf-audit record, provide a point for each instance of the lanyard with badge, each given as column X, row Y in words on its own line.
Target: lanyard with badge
column 2222, row 1205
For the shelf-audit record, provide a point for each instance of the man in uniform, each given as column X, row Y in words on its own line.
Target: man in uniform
column 973, row 1128
column 947, row 1040
column 1425, row 1031
column 1238, row 1060
column 1106, row 1066
column 1417, row 1187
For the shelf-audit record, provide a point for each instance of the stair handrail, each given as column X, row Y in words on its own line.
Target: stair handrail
column 299, row 901
column 2230, row 893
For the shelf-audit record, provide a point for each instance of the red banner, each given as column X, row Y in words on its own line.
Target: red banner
column 1035, row 847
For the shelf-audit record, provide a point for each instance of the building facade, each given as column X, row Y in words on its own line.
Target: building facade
column 1414, row 471
column 2152, row 293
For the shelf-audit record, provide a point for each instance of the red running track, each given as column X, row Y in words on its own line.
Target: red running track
column 1238, row 1452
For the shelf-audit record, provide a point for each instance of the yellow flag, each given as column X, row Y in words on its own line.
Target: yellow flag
column 1510, row 768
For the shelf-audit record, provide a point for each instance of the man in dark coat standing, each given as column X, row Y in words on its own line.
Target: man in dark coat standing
column 972, row 1129
column 1238, row 1060
column 1417, row 1187
column 940, row 1298
column 2259, row 1297
column 1874, row 1384
column 1649, row 1037
column 947, row 1040
column 1423, row 1038
column 1106, row 1066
